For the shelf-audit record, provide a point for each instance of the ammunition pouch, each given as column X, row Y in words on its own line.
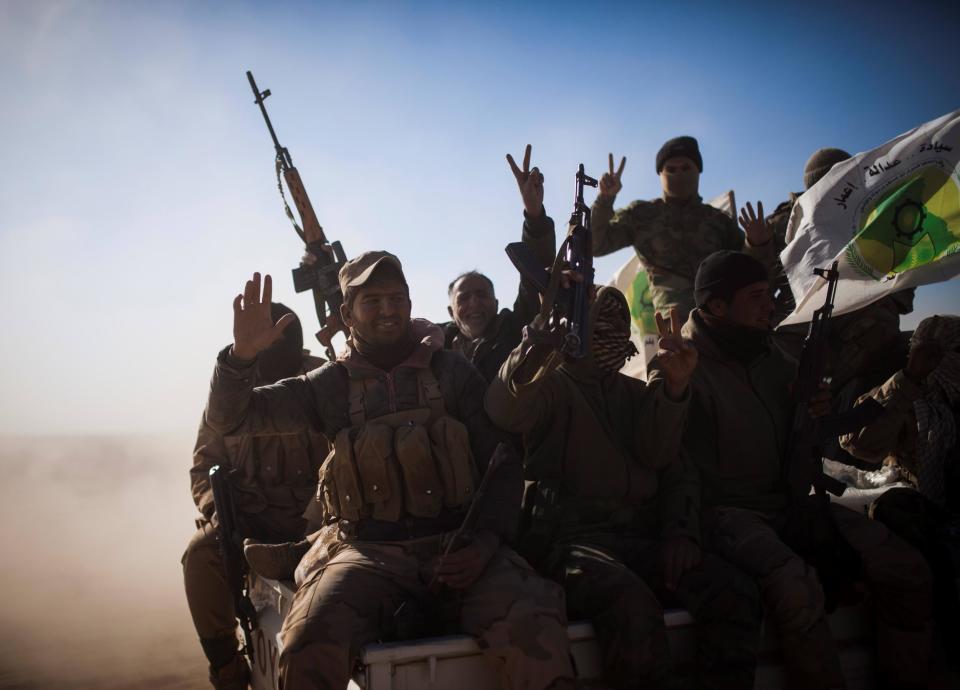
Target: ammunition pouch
column 411, row 463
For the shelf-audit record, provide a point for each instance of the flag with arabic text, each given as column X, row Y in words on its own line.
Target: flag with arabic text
column 890, row 217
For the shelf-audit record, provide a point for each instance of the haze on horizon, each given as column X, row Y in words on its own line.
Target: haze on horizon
column 138, row 186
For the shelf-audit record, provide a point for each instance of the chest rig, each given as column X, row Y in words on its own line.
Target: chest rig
column 414, row 462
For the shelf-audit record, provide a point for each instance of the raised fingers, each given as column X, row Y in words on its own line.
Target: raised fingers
column 526, row 158
column 623, row 163
column 674, row 321
column 610, row 155
column 513, row 167
column 267, row 289
column 663, row 327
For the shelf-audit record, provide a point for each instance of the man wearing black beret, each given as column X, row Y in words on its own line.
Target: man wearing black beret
column 673, row 234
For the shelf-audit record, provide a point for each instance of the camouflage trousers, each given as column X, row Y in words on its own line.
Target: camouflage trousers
column 614, row 581
column 793, row 597
column 351, row 601
column 208, row 597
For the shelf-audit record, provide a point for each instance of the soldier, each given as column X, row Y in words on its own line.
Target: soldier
column 411, row 440
column 673, row 234
column 740, row 418
column 864, row 343
column 918, row 433
column 613, row 510
column 477, row 331
column 272, row 479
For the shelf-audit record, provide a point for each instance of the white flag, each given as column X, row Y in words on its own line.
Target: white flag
column 890, row 217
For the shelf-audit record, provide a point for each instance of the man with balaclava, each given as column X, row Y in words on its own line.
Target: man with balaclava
column 272, row 480
column 411, row 444
column 864, row 343
column 741, row 413
column 477, row 331
column 918, row 433
column 612, row 508
column 674, row 233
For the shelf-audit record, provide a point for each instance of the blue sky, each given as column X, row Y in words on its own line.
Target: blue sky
column 138, row 188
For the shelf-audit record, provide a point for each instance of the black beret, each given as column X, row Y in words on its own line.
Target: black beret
column 680, row 146
column 723, row 273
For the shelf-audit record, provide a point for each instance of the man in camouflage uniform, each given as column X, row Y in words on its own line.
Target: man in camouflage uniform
column 613, row 510
column 740, row 418
column 864, row 343
column 673, row 234
column 918, row 432
column 477, row 331
column 411, row 441
column 272, row 479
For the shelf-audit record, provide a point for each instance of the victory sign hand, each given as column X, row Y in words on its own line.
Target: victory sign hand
column 757, row 231
column 610, row 181
column 677, row 357
column 253, row 327
column 530, row 183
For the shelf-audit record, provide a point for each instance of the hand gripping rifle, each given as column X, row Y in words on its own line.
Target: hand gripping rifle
column 566, row 311
column 320, row 277
column 231, row 553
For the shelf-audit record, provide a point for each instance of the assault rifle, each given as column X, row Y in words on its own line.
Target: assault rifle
column 322, row 276
column 804, row 460
column 231, row 553
column 566, row 311
column 809, row 528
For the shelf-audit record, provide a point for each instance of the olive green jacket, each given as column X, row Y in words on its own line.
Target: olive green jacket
column 609, row 440
column 739, row 421
column 319, row 402
column 671, row 238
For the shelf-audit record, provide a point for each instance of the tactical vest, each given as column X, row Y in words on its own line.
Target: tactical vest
column 411, row 463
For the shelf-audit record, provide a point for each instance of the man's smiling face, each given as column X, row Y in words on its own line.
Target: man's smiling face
column 380, row 311
column 472, row 305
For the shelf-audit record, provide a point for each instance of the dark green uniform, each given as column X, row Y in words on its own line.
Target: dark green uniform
column 607, row 487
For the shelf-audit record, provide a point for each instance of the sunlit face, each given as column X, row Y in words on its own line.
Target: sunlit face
column 680, row 177
column 751, row 306
column 472, row 306
column 380, row 312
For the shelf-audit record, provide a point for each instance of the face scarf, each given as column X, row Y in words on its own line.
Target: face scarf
column 385, row 357
column 936, row 420
column 741, row 343
column 611, row 346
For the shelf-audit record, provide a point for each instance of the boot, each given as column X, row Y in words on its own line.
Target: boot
column 274, row 561
column 234, row 676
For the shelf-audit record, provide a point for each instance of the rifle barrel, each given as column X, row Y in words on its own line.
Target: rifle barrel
column 282, row 154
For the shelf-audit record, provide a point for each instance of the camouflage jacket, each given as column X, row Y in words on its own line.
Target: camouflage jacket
column 894, row 433
column 319, row 402
column 609, row 442
column 503, row 333
column 671, row 238
column 739, row 422
column 273, row 478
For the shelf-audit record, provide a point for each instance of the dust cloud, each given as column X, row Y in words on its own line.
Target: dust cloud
column 91, row 534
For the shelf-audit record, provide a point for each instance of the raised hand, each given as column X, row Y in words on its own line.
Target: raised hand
column 756, row 230
column 677, row 356
column 530, row 183
column 610, row 182
column 253, row 327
